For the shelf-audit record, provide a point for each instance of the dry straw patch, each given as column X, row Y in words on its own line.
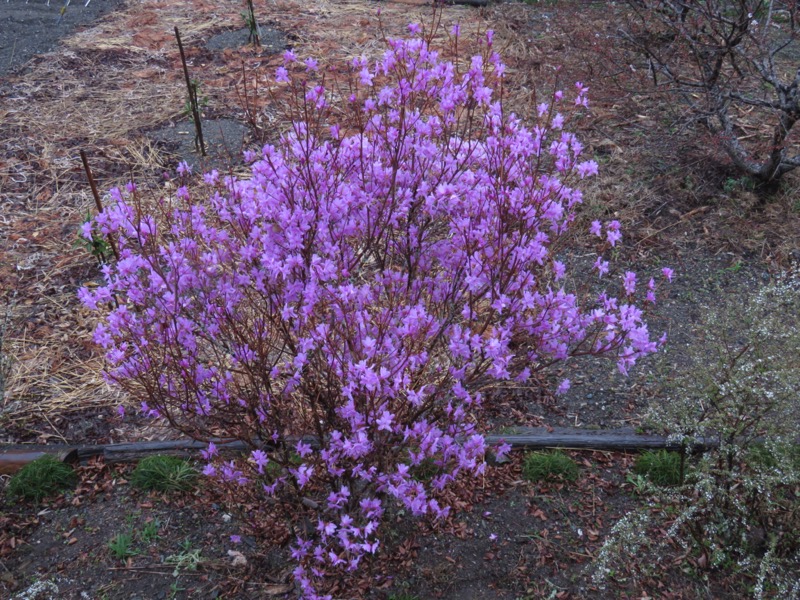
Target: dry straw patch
column 96, row 93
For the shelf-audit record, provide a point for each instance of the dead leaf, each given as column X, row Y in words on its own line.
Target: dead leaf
column 239, row 559
column 277, row 589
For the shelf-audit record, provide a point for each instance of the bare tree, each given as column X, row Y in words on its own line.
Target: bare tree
column 735, row 63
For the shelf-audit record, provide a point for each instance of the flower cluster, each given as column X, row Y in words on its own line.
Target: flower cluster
column 340, row 305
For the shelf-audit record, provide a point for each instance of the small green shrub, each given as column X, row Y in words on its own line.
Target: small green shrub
column 164, row 474
column 541, row 466
column 121, row 546
column 662, row 467
column 43, row 477
column 149, row 533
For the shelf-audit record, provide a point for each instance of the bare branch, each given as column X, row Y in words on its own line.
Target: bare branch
column 727, row 53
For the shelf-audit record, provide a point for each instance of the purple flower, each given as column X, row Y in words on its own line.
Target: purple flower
column 601, row 266
column 236, row 539
column 211, row 178
column 587, row 169
column 501, row 452
column 667, row 272
column 259, row 457
column 385, row 421
column 86, row 230
column 629, row 282
column 365, row 77
column 302, row 448
column 613, row 236
column 559, row 269
column 209, row 452
column 357, row 283
column 303, row 474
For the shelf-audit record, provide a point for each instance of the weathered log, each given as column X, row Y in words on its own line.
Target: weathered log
column 591, row 439
column 13, row 458
column 468, row 2
column 12, row 462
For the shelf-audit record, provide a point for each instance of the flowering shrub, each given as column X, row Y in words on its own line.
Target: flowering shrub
column 336, row 310
column 738, row 507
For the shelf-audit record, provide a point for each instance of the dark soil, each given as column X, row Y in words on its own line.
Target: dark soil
column 32, row 27
column 224, row 140
column 271, row 39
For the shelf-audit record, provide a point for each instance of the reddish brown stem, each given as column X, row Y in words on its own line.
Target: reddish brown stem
column 97, row 200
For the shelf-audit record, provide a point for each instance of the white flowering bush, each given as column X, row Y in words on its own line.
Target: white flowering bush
column 741, row 399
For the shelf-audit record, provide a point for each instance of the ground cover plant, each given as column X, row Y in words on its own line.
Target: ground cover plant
column 662, row 467
column 539, row 466
column 41, row 478
column 164, row 474
column 393, row 250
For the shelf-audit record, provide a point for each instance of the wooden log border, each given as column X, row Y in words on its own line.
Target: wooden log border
column 14, row 457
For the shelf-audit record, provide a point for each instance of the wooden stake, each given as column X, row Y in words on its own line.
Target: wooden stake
column 98, row 203
column 192, row 90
